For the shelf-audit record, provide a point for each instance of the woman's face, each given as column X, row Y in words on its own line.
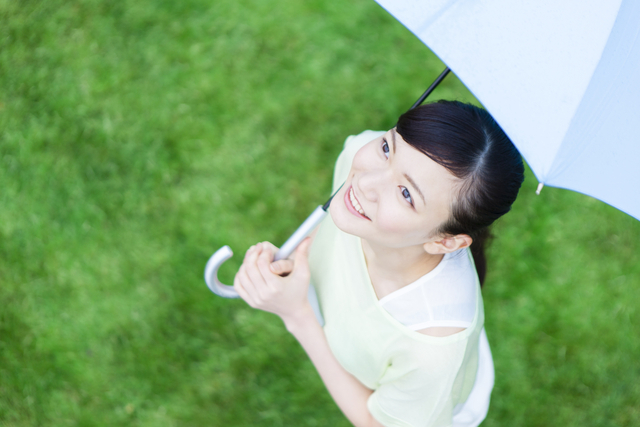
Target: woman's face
column 394, row 195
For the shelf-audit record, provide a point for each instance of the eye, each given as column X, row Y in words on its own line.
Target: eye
column 406, row 195
column 385, row 148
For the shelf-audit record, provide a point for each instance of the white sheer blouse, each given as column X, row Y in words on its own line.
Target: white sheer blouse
column 446, row 296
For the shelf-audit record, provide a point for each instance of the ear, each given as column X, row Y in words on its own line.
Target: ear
column 448, row 244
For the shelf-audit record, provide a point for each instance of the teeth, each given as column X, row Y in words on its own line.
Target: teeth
column 355, row 203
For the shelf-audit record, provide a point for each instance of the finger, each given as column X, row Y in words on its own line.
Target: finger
column 303, row 248
column 307, row 241
column 271, row 248
column 264, row 261
column 246, row 282
column 241, row 291
column 252, row 270
column 249, row 251
column 301, row 262
column 282, row 267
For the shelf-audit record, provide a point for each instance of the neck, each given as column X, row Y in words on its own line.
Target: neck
column 393, row 268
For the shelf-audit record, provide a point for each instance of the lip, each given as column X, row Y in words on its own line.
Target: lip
column 350, row 208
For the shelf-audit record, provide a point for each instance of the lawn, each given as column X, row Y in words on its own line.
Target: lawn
column 137, row 137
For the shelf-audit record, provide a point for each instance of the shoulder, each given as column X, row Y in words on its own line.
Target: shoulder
column 362, row 138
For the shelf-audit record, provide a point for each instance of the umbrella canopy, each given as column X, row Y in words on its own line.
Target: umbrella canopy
column 562, row 78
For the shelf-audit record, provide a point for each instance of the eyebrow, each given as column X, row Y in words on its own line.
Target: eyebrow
column 412, row 182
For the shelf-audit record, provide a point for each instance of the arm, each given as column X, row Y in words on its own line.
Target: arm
column 261, row 288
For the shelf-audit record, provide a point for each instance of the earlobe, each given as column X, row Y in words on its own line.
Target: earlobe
column 448, row 244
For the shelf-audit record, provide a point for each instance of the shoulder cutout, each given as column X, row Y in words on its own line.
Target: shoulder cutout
column 441, row 331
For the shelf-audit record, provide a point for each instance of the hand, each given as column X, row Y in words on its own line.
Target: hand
column 277, row 287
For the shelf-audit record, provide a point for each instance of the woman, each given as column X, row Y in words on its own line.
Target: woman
column 392, row 265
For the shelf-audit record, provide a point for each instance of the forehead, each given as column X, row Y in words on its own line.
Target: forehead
column 435, row 182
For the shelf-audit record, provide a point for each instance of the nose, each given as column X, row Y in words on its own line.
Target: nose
column 370, row 184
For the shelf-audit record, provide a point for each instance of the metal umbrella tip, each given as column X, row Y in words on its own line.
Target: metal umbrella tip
column 539, row 189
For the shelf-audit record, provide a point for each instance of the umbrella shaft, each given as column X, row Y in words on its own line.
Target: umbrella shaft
column 431, row 88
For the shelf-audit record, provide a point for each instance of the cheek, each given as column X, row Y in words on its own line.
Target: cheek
column 391, row 218
column 364, row 157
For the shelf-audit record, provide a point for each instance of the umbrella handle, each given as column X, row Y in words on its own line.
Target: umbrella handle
column 225, row 252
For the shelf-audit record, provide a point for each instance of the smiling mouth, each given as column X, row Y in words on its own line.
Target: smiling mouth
column 353, row 203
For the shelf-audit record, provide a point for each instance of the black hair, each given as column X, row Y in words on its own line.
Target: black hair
column 470, row 144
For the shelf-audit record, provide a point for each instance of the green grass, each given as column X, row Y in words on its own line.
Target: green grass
column 136, row 138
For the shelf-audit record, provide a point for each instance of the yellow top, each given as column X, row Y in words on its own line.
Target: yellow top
column 417, row 379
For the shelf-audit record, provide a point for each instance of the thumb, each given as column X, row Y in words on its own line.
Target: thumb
column 302, row 254
column 282, row 267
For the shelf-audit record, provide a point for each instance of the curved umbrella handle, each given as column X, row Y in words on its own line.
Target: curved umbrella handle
column 225, row 252
column 211, row 273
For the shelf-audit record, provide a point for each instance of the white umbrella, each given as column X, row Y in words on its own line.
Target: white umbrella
column 561, row 77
